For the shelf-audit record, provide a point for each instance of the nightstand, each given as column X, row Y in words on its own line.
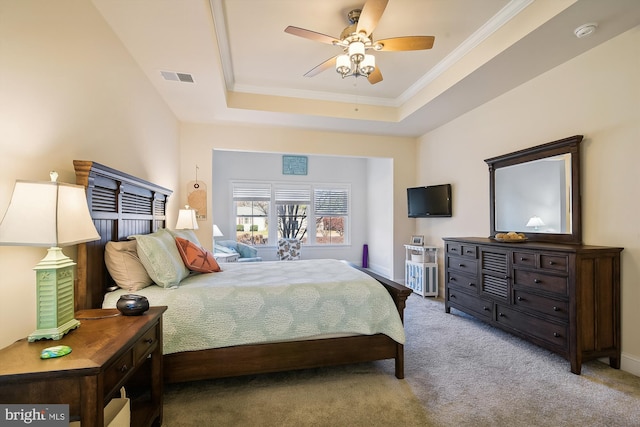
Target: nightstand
column 109, row 351
column 220, row 257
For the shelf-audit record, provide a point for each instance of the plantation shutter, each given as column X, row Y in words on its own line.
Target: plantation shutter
column 331, row 202
column 251, row 192
column 293, row 195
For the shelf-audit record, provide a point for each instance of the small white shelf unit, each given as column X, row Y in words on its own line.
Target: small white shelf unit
column 421, row 270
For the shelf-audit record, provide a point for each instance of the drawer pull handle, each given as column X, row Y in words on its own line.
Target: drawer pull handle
column 471, row 284
column 452, row 296
column 536, row 280
column 149, row 340
column 522, row 258
column 552, row 263
column 452, row 279
column 485, row 308
column 469, row 252
column 501, row 315
column 557, row 335
column 124, row 368
column 460, row 265
column 454, row 250
column 556, row 308
column 520, row 299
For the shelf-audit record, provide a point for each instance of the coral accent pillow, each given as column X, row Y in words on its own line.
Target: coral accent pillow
column 196, row 258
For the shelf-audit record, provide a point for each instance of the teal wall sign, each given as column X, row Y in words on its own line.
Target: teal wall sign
column 294, row 165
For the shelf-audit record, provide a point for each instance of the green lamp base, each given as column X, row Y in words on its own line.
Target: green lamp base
column 53, row 333
column 55, row 301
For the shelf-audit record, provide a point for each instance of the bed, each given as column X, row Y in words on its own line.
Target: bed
column 122, row 205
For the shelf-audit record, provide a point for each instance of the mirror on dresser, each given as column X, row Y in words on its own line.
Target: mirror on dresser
column 536, row 192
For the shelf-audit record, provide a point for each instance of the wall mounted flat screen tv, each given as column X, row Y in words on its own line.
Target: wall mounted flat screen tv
column 430, row 201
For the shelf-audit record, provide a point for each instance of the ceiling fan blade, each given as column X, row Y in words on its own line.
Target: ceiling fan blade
column 311, row 35
column 406, row 43
column 375, row 76
column 329, row 63
column 370, row 15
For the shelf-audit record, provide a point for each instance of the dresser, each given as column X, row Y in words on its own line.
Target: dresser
column 563, row 297
column 109, row 351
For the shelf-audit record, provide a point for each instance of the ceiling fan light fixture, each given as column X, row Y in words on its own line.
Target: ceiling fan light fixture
column 343, row 65
column 367, row 65
column 356, row 52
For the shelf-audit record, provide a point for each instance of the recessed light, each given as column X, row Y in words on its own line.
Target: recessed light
column 585, row 30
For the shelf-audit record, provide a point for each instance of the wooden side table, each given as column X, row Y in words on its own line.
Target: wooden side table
column 109, row 351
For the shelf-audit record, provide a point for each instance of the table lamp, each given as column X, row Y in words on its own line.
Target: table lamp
column 50, row 214
column 187, row 219
column 535, row 222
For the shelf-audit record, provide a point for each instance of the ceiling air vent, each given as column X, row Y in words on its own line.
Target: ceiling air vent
column 177, row 77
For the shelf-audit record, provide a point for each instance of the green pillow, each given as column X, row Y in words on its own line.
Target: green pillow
column 189, row 235
column 159, row 255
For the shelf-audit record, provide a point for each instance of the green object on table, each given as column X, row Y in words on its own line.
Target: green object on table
column 57, row 351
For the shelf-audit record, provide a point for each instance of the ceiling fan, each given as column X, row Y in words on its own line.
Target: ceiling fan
column 356, row 39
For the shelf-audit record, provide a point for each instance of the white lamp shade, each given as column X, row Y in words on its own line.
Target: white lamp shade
column 187, row 219
column 216, row 231
column 535, row 221
column 356, row 52
column 368, row 65
column 343, row 64
column 47, row 214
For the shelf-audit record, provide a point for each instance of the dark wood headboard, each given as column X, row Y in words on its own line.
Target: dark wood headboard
column 120, row 205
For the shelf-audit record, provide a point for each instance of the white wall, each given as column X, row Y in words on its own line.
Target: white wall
column 394, row 162
column 596, row 95
column 260, row 167
column 69, row 90
column 380, row 214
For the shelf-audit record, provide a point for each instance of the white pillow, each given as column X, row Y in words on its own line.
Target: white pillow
column 159, row 255
column 125, row 267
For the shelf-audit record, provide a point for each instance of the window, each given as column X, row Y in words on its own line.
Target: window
column 292, row 204
column 326, row 207
column 251, row 205
column 331, row 209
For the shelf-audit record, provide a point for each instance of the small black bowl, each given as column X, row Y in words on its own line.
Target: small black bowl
column 132, row 305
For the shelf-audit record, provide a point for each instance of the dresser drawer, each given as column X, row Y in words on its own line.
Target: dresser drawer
column 541, row 304
column 459, row 249
column 462, row 282
column 551, row 333
column 538, row 280
column 526, row 259
column 117, row 371
column 454, row 248
column 465, row 302
column 553, row 262
column 467, row 265
column 145, row 345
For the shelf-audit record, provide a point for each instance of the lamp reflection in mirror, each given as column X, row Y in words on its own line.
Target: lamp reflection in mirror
column 187, row 219
column 56, row 215
column 535, row 222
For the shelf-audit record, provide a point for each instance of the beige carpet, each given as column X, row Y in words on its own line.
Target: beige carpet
column 360, row 395
column 459, row 372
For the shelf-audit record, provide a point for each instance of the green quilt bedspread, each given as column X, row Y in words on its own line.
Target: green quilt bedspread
column 249, row 303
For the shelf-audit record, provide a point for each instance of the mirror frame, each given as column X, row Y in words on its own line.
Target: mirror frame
column 569, row 145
